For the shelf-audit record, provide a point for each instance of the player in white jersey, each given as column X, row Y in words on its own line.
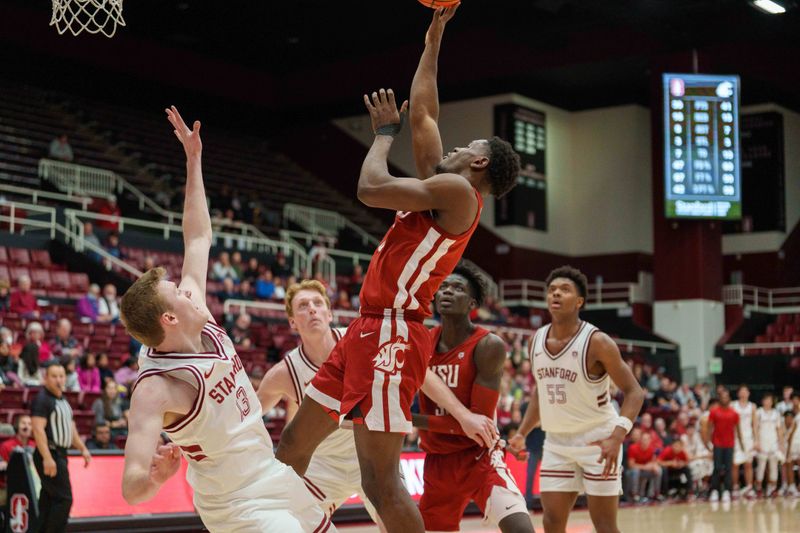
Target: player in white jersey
column 769, row 443
column 573, row 363
column 745, row 451
column 792, row 427
column 193, row 386
column 333, row 475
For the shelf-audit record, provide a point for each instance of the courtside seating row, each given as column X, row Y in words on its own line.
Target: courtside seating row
column 786, row 328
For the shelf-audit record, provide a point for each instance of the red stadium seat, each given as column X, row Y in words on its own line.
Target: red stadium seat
column 17, row 272
column 74, row 399
column 60, row 280
column 19, row 256
column 11, row 414
column 57, row 293
column 41, row 258
column 104, row 330
column 4, row 273
column 98, row 344
column 88, row 398
column 12, row 398
column 79, row 281
column 3, row 255
column 84, row 420
column 41, row 278
column 784, row 319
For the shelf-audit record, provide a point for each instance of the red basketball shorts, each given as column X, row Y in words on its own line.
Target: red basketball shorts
column 451, row 480
column 378, row 366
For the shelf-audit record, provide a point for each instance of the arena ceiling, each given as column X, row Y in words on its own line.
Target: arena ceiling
column 316, row 56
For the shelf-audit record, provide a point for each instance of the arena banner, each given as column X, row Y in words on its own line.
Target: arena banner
column 97, row 489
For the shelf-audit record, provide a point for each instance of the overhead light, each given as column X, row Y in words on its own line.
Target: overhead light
column 769, row 6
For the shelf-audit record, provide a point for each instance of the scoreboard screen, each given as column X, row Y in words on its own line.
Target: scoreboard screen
column 701, row 146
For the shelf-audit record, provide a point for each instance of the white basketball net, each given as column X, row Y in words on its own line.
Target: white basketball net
column 92, row 16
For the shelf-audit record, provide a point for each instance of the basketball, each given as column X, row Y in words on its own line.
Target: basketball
column 436, row 4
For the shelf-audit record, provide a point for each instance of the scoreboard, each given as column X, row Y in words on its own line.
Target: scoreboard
column 702, row 174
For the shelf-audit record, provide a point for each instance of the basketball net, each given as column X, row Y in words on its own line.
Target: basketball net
column 92, row 16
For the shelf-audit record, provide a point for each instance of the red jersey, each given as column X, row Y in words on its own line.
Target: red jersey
column 669, row 455
column 457, row 369
column 725, row 420
column 411, row 261
column 641, row 456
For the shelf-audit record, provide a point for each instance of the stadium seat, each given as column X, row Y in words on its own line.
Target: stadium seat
column 41, row 278
column 60, row 280
column 17, row 272
column 10, row 414
column 4, row 274
column 79, row 281
column 74, row 399
column 12, row 397
column 104, row 330
column 3, row 255
column 84, row 420
column 88, row 398
column 41, row 258
column 19, row 256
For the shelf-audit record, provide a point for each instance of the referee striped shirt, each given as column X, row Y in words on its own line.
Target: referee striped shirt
column 58, row 413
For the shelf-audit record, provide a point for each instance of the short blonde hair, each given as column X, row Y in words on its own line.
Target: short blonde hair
column 142, row 306
column 306, row 284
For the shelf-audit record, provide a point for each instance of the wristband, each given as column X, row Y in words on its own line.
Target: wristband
column 391, row 129
column 625, row 423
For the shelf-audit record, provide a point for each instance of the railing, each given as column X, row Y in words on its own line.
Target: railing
column 323, row 222
column 626, row 345
column 531, row 293
column 78, row 179
column 785, row 300
column 35, row 195
column 774, row 347
column 251, row 243
column 16, row 223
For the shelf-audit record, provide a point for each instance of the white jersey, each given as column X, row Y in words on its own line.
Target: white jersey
column 570, row 399
column 340, row 445
column 745, row 419
column 768, row 425
column 231, row 466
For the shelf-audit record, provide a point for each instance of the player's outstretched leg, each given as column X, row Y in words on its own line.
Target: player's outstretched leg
column 603, row 511
column 310, row 426
column 557, row 506
column 379, row 457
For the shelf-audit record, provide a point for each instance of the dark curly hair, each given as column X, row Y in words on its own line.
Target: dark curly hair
column 503, row 166
column 573, row 274
column 477, row 284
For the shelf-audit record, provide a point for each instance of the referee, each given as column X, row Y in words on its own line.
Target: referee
column 54, row 431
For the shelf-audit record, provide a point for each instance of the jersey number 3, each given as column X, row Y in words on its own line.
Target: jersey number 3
column 556, row 394
column 242, row 402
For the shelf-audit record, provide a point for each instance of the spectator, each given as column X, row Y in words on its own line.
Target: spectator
column 680, row 424
column 684, row 394
column 54, row 431
column 23, row 301
column 88, row 373
column 721, row 428
column 28, row 368
column 236, row 263
column 111, row 210
column 64, row 344
column 663, row 396
column 265, row 286
column 108, row 305
column 279, row 268
column 127, row 373
column 280, row 291
column 785, row 405
column 356, row 279
column 228, row 291
column 149, row 263
column 60, row 149
column 8, row 366
column 22, row 438
column 34, row 335
column 90, row 237
column 240, row 332
column 329, row 289
column 70, row 370
column 101, row 438
column 701, row 465
column 108, row 408
column 646, row 423
column 675, row 462
column 88, row 307
column 112, row 246
column 223, row 269
column 644, row 468
column 661, row 430
column 343, row 301
column 104, row 368
column 5, row 295
column 245, row 291
column 252, row 272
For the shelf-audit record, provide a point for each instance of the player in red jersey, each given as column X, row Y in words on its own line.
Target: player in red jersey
column 375, row 370
column 469, row 360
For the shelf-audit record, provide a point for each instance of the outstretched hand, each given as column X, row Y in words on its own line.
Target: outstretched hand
column 383, row 111
column 440, row 17
column 190, row 139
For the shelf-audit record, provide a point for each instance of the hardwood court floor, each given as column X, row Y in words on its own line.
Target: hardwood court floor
column 780, row 515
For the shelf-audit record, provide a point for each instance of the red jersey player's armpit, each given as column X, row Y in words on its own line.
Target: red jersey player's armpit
column 484, row 400
column 445, row 424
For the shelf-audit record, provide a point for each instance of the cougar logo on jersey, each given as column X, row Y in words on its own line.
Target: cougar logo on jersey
column 387, row 360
